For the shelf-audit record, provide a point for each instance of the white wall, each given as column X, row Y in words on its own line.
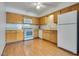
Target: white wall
column 2, row 27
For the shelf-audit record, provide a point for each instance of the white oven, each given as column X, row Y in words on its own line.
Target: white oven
column 28, row 34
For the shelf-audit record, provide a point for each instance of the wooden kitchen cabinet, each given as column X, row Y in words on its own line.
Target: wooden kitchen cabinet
column 65, row 10
column 53, row 36
column 14, row 18
column 43, row 20
column 50, row 35
column 11, row 36
column 55, row 18
column 20, row 35
column 46, row 35
column 78, row 6
column 35, row 21
column 70, row 8
column 35, row 33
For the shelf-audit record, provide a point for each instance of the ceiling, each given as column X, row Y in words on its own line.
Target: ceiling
column 30, row 7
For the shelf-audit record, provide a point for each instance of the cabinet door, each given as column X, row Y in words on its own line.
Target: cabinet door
column 35, row 21
column 11, row 36
column 19, row 18
column 65, row 10
column 43, row 20
column 14, row 18
column 56, row 16
column 53, row 36
column 46, row 20
column 46, row 35
column 73, row 7
column 19, row 35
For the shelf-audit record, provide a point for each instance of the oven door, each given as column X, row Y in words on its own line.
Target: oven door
column 28, row 34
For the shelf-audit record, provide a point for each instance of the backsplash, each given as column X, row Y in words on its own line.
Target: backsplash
column 20, row 26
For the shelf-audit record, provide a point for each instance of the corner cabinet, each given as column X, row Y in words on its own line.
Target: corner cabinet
column 11, row 36
column 46, row 35
column 43, row 20
column 35, row 21
column 14, row 18
column 50, row 35
column 14, row 36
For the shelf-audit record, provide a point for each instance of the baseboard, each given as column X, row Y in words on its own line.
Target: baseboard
column 21, row 41
column 36, row 37
column 68, row 51
column 50, row 41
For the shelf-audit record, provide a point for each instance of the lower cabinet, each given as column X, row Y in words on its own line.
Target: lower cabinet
column 14, row 35
column 17, row 35
column 11, row 36
column 46, row 34
column 50, row 35
column 53, row 36
column 20, row 35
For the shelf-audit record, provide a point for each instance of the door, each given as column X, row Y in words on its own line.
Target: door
column 28, row 34
column 67, row 37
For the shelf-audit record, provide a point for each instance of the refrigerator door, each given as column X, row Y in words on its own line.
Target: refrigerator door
column 67, row 37
column 68, row 18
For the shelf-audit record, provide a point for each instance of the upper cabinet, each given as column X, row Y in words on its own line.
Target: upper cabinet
column 70, row 8
column 65, row 10
column 43, row 20
column 14, row 18
column 35, row 21
column 55, row 16
column 11, row 36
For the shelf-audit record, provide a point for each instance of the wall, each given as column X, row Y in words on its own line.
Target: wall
column 2, row 27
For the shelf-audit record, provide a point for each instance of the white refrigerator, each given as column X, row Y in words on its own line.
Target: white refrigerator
column 67, row 31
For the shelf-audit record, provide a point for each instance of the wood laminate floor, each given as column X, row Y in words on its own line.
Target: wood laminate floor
column 34, row 47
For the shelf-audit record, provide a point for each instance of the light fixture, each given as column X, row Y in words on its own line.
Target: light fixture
column 38, row 5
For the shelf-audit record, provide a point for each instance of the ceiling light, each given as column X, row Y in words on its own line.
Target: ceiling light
column 38, row 5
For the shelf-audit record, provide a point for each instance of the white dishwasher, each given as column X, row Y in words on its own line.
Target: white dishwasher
column 40, row 33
